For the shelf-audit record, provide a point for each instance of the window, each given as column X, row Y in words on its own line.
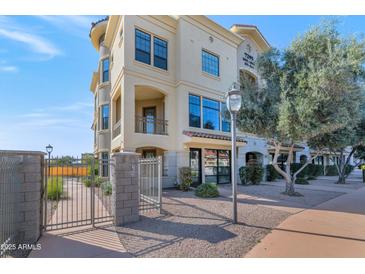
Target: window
column 104, row 164
column 226, row 123
column 160, row 53
column 105, row 117
column 211, row 114
column 105, row 76
column 217, row 166
column 143, row 47
column 194, row 111
column 210, row 63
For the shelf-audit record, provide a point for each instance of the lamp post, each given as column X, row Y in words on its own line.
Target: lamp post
column 233, row 102
column 49, row 150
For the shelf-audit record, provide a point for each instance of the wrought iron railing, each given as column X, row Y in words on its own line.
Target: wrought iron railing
column 150, row 184
column 9, row 187
column 117, row 129
column 151, row 125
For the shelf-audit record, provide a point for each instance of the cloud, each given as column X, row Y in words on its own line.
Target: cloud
column 8, row 69
column 61, row 116
column 10, row 29
column 36, row 43
column 76, row 25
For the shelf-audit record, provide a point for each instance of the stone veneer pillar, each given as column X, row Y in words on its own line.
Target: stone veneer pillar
column 125, row 194
column 29, row 202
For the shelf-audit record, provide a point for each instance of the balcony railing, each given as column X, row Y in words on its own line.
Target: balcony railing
column 116, row 129
column 151, row 125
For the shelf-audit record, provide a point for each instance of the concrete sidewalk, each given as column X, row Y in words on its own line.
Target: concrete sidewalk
column 101, row 242
column 335, row 228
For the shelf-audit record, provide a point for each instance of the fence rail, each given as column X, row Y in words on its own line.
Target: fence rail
column 9, row 187
column 150, row 125
column 150, row 184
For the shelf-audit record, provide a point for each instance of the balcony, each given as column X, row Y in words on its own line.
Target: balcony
column 116, row 129
column 151, row 125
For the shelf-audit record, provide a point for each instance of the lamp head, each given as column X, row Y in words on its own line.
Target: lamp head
column 234, row 99
column 49, row 148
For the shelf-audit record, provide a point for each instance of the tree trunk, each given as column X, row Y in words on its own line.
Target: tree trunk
column 289, row 182
column 341, row 166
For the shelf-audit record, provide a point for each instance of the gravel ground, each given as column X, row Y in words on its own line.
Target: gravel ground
column 196, row 227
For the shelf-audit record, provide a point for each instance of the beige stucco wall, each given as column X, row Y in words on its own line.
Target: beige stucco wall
column 186, row 39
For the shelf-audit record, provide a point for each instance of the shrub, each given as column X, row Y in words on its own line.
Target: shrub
column 54, row 188
column 349, row 169
column 271, row 173
column 310, row 171
column 294, row 167
column 243, row 171
column 256, row 173
column 251, row 174
column 185, row 178
column 207, row 190
column 106, row 187
column 314, row 170
column 301, row 181
column 98, row 181
column 86, row 181
column 331, row 170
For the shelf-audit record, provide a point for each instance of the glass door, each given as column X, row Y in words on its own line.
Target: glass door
column 224, row 166
column 195, row 165
column 149, row 117
column 217, row 166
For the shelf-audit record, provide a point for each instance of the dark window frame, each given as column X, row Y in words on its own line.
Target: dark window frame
column 105, row 120
column 155, row 54
column 105, row 72
column 138, row 51
column 214, row 109
column 190, row 110
column 207, row 56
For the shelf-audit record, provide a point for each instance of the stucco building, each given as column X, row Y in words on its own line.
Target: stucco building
column 159, row 90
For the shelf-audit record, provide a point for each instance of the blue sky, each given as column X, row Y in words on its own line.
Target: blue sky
column 46, row 64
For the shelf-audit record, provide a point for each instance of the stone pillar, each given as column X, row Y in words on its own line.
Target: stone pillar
column 125, row 195
column 29, row 195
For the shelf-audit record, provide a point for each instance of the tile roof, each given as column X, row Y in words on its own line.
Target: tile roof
column 212, row 136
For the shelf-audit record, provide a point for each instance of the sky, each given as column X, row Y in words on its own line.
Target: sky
column 46, row 64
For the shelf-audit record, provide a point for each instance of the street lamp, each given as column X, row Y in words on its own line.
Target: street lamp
column 234, row 101
column 49, row 150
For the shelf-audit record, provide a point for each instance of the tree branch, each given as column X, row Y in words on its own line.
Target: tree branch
column 307, row 163
column 275, row 162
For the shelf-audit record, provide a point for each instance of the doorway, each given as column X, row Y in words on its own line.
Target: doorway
column 196, row 166
column 149, row 117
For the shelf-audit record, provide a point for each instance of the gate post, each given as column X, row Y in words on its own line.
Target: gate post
column 124, row 180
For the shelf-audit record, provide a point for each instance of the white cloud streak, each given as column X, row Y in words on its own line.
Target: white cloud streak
column 36, row 43
column 76, row 25
column 8, row 69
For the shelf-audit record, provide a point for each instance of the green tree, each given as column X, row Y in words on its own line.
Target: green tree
column 307, row 90
column 345, row 143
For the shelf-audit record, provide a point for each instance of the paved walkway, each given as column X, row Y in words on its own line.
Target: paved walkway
column 77, row 242
column 89, row 242
column 332, row 229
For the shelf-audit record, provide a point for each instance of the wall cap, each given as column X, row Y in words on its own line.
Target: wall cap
column 22, row 152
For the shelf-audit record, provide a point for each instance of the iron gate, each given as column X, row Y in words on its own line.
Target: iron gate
column 77, row 192
column 150, row 184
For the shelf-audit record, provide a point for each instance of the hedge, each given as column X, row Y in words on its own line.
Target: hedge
column 271, row 173
column 251, row 174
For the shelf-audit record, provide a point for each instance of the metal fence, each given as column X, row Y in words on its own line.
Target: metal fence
column 151, row 125
column 150, row 184
column 78, row 193
column 9, row 187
